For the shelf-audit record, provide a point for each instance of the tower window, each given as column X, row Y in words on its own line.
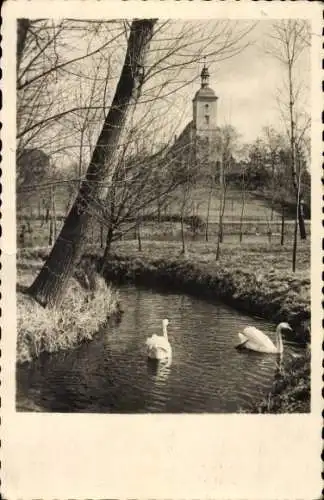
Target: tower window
column 207, row 119
column 206, row 108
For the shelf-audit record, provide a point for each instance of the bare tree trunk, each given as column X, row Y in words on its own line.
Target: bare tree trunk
column 185, row 196
column 282, row 237
column 301, row 223
column 272, row 198
column 101, row 235
column 109, row 239
column 220, row 235
column 47, row 214
column 183, row 240
column 92, row 234
column 80, row 159
column 221, row 227
column 54, row 214
column 296, row 182
column 50, row 235
column 218, row 240
column 295, row 245
column 208, row 209
column 242, row 209
column 138, row 232
column 51, row 282
column 221, row 212
column 22, row 30
column 158, row 209
column 294, row 257
column 51, row 221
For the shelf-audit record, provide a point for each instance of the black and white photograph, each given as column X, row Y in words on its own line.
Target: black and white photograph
column 163, row 216
column 163, row 177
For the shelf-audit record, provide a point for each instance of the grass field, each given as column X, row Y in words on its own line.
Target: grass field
column 256, row 207
column 253, row 254
column 34, row 230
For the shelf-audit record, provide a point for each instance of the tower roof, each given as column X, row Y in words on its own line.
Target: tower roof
column 205, row 92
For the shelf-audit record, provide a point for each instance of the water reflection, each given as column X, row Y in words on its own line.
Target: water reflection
column 112, row 373
column 159, row 368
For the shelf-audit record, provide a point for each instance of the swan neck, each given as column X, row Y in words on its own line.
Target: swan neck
column 165, row 331
column 279, row 340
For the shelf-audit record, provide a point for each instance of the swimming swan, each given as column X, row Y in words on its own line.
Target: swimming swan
column 255, row 340
column 158, row 346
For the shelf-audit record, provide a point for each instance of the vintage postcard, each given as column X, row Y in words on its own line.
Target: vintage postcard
column 161, row 250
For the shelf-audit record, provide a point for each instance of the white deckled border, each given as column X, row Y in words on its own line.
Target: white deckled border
column 155, row 456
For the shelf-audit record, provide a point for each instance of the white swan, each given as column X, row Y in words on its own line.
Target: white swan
column 158, row 346
column 255, row 340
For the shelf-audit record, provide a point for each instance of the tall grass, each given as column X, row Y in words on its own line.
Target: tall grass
column 291, row 389
column 79, row 318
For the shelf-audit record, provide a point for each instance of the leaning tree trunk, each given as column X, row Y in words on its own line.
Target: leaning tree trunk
column 22, row 30
column 49, row 287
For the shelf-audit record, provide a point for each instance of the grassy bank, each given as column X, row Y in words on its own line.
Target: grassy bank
column 250, row 278
column 82, row 314
column 290, row 392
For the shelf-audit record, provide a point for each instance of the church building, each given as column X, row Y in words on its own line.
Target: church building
column 200, row 135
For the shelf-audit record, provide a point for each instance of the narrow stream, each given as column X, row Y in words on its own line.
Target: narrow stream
column 112, row 374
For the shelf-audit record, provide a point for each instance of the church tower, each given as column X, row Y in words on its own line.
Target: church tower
column 205, row 111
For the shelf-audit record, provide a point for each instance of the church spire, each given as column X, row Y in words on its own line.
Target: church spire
column 204, row 75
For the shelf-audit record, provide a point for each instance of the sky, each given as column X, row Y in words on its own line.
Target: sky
column 246, row 84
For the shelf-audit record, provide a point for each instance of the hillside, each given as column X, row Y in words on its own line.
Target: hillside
column 257, row 205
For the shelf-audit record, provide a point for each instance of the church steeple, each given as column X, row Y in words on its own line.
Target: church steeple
column 204, row 76
column 204, row 117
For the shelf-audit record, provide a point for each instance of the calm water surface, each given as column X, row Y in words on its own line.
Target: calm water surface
column 112, row 373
